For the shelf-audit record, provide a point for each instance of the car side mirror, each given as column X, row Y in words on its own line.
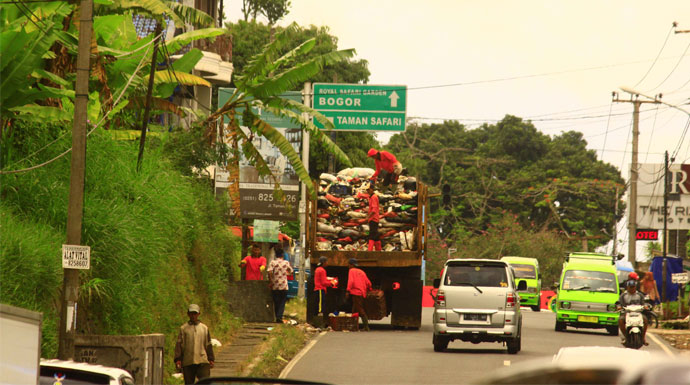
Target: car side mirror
column 437, row 283
column 556, row 285
column 522, row 286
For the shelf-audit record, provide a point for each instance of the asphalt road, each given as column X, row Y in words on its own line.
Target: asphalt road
column 387, row 356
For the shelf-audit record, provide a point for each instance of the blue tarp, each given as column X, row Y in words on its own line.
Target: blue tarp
column 673, row 265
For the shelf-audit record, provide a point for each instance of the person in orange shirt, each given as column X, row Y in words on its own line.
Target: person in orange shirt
column 358, row 285
column 254, row 264
column 385, row 161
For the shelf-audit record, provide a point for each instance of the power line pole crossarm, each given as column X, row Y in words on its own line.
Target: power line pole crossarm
column 632, row 209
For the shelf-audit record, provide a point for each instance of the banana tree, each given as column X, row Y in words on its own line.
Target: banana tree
column 268, row 75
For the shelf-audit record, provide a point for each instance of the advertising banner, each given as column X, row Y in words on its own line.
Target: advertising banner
column 650, row 197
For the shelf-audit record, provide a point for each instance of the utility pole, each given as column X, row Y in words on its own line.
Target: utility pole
column 632, row 210
column 75, row 209
column 615, row 224
column 307, row 93
column 149, row 93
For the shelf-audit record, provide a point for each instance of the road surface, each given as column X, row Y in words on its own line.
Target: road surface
column 387, row 356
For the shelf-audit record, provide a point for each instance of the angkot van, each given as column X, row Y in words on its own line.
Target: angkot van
column 527, row 269
column 587, row 293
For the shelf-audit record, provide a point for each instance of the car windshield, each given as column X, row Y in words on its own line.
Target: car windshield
column 589, row 281
column 524, row 271
column 476, row 275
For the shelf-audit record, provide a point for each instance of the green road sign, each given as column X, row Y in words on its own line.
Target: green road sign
column 361, row 107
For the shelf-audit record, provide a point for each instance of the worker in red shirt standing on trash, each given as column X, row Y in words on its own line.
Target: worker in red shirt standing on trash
column 358, row 285
column 373, row 219
column 387, row 162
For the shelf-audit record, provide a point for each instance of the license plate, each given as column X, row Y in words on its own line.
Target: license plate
column 587, row 318
column 474, row 317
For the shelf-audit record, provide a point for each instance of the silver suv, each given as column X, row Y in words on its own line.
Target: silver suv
column 477, row 301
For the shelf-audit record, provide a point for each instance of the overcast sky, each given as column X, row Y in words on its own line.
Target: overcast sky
column 555, row 62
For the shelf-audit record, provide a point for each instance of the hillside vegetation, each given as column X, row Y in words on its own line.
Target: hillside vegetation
column 158, row 239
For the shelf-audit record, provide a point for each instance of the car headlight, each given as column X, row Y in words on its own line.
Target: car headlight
column 611, row 308
column 565, row 305
column 531, row 289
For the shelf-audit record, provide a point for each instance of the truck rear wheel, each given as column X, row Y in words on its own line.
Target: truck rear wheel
column 612, row 330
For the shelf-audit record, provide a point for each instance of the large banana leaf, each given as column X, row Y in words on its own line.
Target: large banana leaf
column 302, row 49
column 152, row 8
column 293, row 77
column 257, row 65
column 43, row 74
column 181, row 40
column 168, row 76
column 285, row 148
column 41, row 114
column 116, row 32
column 191, row 15
column 184, row 64
column 157, row 104
column 286, row 107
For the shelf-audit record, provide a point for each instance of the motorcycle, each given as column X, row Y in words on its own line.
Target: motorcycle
column 634, row 325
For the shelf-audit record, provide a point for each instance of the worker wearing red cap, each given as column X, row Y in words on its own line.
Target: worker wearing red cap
column 387, row 162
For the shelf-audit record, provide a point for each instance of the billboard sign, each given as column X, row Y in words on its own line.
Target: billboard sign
column 257, row 197
column 650, row 197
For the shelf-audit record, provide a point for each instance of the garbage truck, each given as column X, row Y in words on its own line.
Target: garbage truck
column 337, row 229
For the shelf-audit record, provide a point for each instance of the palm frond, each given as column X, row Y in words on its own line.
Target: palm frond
column 154, row 8
column 41, row 114
column 293, row 77
column 302, row 49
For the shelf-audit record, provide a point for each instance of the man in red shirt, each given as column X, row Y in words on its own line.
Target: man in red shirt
column 373, row 218
column 358, row 285
column 255, row 265
column 387, row 162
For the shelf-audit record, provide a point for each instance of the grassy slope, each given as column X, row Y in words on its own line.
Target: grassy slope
column 157, row 241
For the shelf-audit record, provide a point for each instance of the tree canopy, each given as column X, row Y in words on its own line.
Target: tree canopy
column 548, row 183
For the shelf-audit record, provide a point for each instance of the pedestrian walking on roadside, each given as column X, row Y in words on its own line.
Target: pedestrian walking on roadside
column 374, row 217
column 386, row 162
column 255, row 264
column 358, row 285
column 193, row 350
column 278, row 270
column 648, row 288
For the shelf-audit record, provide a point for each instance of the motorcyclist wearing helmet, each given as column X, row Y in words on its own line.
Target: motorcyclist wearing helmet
column 631, row 297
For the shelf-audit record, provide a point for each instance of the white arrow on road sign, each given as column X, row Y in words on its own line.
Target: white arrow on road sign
column 394, row 99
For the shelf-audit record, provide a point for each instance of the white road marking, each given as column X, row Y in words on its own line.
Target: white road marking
column 663, row 345
column 299, row 355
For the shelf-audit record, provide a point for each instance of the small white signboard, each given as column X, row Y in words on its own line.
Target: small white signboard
column 76, row 257
column 680, row 278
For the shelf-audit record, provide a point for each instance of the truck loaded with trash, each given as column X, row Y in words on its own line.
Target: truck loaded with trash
column 337, row 228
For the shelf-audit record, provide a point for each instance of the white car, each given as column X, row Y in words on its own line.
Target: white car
column 596, row 365
column 81, row 373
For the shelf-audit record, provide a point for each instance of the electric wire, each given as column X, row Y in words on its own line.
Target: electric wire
column 652, row 134
column 606, row 134
column 673, row 26
column 673, row 70
column 115, row 103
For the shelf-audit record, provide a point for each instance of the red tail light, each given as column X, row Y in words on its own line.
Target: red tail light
column 441, row 298
column 510, row 300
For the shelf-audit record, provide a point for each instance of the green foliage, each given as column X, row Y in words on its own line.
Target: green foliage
column 190, row 152
column 506, row 237
column 551, row 184
column 354, row 144
column 158, row 242
column 249, row 37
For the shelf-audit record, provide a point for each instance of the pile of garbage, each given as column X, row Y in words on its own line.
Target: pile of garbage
column 343, row 207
